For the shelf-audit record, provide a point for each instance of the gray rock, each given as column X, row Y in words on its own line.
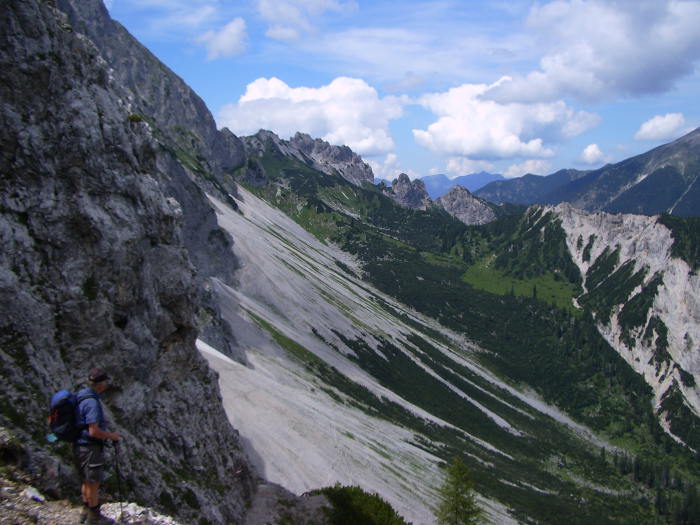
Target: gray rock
column 94, row 270
column 408, row 193
column 316, row 153
column 460, row 203
column 328, row 158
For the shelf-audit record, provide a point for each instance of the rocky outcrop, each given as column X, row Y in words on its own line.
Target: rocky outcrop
column 316, row 153
column 408, row 193
column 460, row 203
column 327, row 158
column 94, row 270
column 22, row 504
column 654, row 321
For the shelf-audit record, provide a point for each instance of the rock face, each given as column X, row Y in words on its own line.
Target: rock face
column 408, row 193
column 94, row 271
column 200, row 158
column 317, row 153
column 659, row 332
column 467, row 208
column 155, row 92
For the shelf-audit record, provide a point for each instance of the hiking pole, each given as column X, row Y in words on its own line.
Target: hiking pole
column 119, row 481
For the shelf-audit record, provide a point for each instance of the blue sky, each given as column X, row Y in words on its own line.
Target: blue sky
column 440, row 86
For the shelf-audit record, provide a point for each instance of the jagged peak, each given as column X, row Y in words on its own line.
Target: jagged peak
column 409, row 193
column 324, row 156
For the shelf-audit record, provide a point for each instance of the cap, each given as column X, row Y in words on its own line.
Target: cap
column 98, row 374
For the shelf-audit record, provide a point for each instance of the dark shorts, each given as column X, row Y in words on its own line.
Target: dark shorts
column 90, row 461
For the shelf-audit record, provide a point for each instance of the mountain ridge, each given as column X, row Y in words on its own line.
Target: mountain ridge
column 662, row 180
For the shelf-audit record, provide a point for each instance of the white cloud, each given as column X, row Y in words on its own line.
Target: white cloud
column 347, row 111
column 230, row 41
column 171, row 19
column 534, row 166
column 405, row 54
column 457, row 166
column 187, row 18
column 288, row 19
column 592, row 154
column 469, row 125
column 599, row 49
column 390, row 168
column 661, row 127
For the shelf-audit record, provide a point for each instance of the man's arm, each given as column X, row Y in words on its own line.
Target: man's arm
column 96, row 433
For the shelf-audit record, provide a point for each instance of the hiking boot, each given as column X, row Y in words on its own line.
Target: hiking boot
column 84, row 514
column 94, row 517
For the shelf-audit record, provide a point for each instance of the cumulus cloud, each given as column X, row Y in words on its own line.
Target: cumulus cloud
column 592, row 154
column 534, row 166
column 471, row 126
column 229, row 41
column 457, row 166
column 661, row 127
column 601, row 49
column 289, row 19
column 390, row 168
column 347, row 111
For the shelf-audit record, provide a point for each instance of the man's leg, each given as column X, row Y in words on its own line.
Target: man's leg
column 92, row 463
column 92, row 493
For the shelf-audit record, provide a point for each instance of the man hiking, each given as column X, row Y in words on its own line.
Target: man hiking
column 89, row 448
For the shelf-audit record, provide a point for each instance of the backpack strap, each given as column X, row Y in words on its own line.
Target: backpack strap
column 79, row 399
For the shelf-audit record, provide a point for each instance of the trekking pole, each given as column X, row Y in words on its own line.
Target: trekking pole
column 119, row 481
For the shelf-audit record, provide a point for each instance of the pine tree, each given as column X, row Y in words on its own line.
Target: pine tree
column 457, row 500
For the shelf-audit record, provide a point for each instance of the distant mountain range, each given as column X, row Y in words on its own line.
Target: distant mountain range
column 663, row 180
column 438, row 185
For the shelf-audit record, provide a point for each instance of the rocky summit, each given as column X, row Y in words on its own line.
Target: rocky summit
column 409, row 193
column 315, row 153
column 466, row 207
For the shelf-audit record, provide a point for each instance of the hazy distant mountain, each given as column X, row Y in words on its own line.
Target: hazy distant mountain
column 528, row 189
column 438, row 185
column 663, row 180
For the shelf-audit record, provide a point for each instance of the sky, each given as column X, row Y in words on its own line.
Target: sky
column 440, row 86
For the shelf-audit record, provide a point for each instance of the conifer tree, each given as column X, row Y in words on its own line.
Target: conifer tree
column 457, row 500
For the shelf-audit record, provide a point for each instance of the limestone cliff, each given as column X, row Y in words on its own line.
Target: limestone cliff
column 647, row 300
column 94, row 271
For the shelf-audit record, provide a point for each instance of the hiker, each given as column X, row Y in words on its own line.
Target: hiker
column 89, row 448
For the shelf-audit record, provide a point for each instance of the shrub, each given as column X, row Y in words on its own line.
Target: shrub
column 352, row 505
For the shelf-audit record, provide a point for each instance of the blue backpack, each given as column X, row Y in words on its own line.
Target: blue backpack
column 63, row 416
